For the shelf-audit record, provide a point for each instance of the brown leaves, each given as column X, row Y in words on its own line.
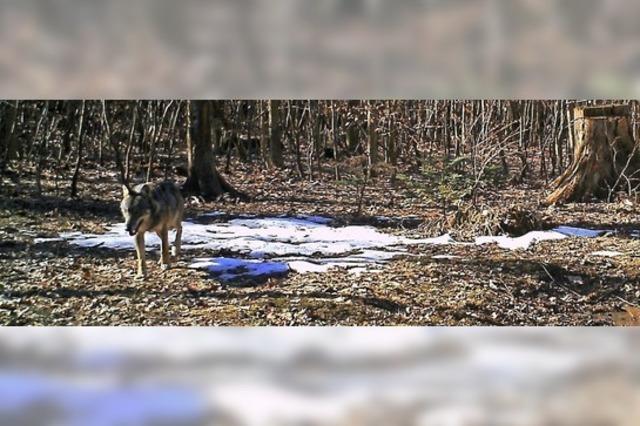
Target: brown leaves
column 86, row 273
column 629, row 317
column 57, row 284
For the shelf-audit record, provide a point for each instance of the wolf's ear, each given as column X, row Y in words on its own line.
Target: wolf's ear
column 125, row 191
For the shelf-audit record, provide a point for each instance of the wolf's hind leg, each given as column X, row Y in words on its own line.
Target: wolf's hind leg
column 175, row 250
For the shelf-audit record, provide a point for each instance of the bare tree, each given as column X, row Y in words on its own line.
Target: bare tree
column 275, row 135
column 203, row 178
column 79, row 137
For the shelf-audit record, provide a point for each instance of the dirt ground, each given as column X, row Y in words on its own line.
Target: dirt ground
column 552, row 283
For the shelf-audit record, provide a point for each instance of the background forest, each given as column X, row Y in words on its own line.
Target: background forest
column 464, row 144
column 465, row 169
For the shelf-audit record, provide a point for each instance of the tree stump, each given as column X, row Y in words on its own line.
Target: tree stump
column 605, row 156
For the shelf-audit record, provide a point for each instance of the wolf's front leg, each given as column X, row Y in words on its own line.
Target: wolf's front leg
column 164, row 257
column 142, row 266
column 177, row 243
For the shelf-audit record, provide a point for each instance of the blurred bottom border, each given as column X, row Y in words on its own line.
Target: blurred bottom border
column 318, row 376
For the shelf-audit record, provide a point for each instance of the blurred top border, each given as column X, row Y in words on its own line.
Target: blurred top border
column 339, row 49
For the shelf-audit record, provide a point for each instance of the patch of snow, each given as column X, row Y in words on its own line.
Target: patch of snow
column 47, row 240
column 302, row 266
column 272, row 246
column 575, row 279
column 232, row 268
column 276, row 245
column 571, row 231
column 607, row 253
column 354, row 262
column 525, row 241
column 520, row 243
column 445, row 256
column 317, row 219
column 72, row 234
column 216, row 213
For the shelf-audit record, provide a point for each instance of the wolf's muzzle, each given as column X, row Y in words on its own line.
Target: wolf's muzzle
column 131, row 229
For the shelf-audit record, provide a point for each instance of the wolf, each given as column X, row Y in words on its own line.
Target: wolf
column 157, row 207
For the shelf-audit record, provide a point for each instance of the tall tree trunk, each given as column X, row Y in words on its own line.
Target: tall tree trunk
column 203, row 178
column 127, row 156
column 157, row 134
column 353, row 129
column 275, row 135
column 9, row 145
column 264, row 135
column 189, row 137
column 40, row 151
column 314, row 121
column 372, row 145
column 76, row 171
column 334, row 137
column 392, row 154
column 69, row 121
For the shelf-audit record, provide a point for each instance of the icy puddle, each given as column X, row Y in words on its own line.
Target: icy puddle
column 274, row 246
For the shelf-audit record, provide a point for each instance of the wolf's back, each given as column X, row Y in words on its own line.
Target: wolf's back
column 168, row 203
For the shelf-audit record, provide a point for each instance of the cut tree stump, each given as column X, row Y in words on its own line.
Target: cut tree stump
column 606, row 157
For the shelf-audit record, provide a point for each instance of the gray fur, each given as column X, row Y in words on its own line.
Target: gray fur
column 157, row 207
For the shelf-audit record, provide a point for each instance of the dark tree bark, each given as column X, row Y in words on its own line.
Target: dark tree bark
column 316, row 134
column 155, row 138
column 8, row 145
column 275, row 134
column 372, row 143
column 203, row 178
column 79, row 134
column 352, row 131
column 67, row 124
column 127, row 156
column 605, row 156
column 43, row 144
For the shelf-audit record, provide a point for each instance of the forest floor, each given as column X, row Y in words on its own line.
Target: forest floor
column 552, row 283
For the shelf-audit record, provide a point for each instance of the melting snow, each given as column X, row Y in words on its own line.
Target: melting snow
column 276, row 245
column 445, row 256
column 523, row 242
column 607, row 253
column 571, row 231
column 47, row 240
column 272, row 246
column 229, row 269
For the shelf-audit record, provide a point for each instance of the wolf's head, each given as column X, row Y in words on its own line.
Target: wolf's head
column 136, row 208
